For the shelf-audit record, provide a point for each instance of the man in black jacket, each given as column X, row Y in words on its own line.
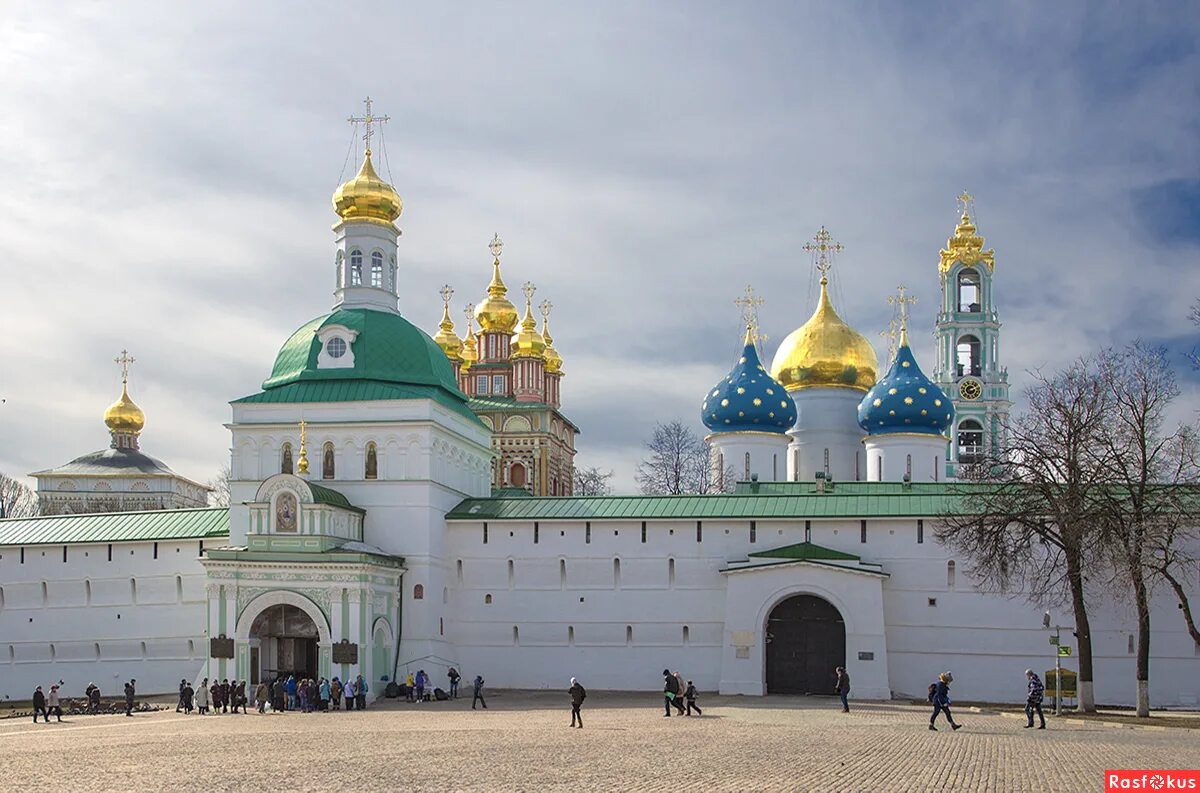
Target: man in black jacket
column 578, row 695
column 130, row 692
column 842, row 688
column 670, row 690
column 39, row 705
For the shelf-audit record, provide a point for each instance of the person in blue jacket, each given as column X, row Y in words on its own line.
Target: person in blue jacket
column 939, row 695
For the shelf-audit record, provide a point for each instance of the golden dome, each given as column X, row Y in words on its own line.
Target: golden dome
column 527, row 342
column 966, row 246
column 125, row 416
column 470, row 354
column 825, row 352
column 367, row 197
column 553, row 359
column 496, row 314
column 446, row 338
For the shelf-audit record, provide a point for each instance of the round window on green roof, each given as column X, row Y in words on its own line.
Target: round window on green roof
column 336, row 347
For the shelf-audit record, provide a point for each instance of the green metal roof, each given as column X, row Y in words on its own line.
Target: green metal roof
column 510, row 492
column 168, row 524
column 846, row 500
column 805, row 550
column 357, row 391
column 325, row 495
column 486, row 403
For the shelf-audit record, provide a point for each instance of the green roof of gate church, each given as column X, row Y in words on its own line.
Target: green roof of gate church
column 393, row 359
column 165, row 524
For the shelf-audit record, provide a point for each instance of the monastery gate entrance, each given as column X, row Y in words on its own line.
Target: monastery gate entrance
column 285, row 638
column 806, row 640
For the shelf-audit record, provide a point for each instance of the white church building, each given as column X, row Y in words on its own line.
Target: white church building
column 366, row 535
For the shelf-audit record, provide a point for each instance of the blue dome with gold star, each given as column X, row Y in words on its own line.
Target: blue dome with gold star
column 905, row 400
column 748, row 399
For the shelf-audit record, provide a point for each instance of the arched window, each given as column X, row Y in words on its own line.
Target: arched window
column 487, row 600
column 418, row 592
column 970, row 441
column 968, row 291
column 968, row 356
column 377, row 270
column 372, row 466
column 746, row 474
column 285, row 462
column 327, row 461
column 908, row 468
column 516, row 475
column 356, row 267
column 628, row 635
column 950, row 574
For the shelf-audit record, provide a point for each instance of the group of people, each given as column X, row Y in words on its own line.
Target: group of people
column 675, row 693
column 223, row 695
column 45, row 704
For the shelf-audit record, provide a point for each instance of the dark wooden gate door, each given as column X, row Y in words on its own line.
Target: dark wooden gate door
column 806, row 640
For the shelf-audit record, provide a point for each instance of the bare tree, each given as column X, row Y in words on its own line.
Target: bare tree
column 218, row 488
column 1194, row 355
column 591, row 482
column 677, row 462
column 1029, row 518
column 1144, row 507
column 16, row 499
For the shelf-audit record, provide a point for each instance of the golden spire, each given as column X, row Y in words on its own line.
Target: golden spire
column 469, row 352
column 446, row 338
column 302, row 460
column 966, row 245
column 367, row 196
column 528, row 343
column 825, row 352
column 124, row 418
column 553, row 359
column 496, row 314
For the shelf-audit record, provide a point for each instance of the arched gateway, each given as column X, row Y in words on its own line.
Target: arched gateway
column 806, row 640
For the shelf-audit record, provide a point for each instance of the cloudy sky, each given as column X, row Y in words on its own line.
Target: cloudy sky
column 167, row 170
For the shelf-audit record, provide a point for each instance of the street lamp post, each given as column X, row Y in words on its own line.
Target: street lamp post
column 1058, row 692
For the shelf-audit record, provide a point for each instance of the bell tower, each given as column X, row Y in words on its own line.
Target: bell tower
column 968, row 345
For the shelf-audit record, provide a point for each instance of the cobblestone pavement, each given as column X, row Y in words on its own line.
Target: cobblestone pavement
column 523, row 743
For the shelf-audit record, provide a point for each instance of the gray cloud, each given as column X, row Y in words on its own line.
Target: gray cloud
column 168, row 173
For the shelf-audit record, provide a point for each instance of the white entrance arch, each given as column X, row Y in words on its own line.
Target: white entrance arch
column 282, row 597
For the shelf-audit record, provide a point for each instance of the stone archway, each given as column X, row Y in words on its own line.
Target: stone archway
column 805, row 640
column 382, row 645
column 285, row 633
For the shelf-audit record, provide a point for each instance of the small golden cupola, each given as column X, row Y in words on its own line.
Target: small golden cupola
column 446, row 338
column 470, row 352
column 553, row 359
column 367, row 197
column 966, row 244
column 825, row 352
column 124, row 418
column 528, row 342
column 496, row 314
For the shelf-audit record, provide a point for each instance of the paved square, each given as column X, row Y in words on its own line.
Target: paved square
column 523, row 743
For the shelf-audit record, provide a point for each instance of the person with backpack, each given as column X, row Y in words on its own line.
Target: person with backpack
column 478, row 688
column 939, row 695
column 670, row 691
column 842, row 687
column 454, row 677
column 578, row 695
column 1033, row 700
column 690, row 696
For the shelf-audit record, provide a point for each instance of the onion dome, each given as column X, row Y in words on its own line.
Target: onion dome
column 446, row 338
column 966, row 245
column 905, row 400
column 748, row 399
column 553, row 359
column 470, row 353
column 496, row 313
column 124, row 416
column 367, row 197
column 825, row 352
column 527, row 342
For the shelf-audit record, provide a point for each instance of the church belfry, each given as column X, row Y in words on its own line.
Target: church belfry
column 968, row 344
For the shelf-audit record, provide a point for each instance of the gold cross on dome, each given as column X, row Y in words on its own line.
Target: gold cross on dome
column 545, row 307
column 446, row 292
column 124, row 362
column 902, row 300
column 469, row 310
column 965, row 201
column 529, row 289
column 496, row 246
column 891, row 334
column 749, row 304
column 823, row 248
column 368, row 120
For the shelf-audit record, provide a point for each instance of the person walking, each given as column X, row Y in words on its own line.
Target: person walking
column 690, row 696
column 678, row 701
column 53, row 704
column 261, row 693
column 842, row 687
column 189, row 698
column 179, row 705
column 670, row 691
column 39, row 705
column 130, row 693
column 1033, row 700
column 215, row 694
column 478, row 697
column 454, row 677
column 578, row 695
column 226, row 692
column 939, row 695
column 202, row 697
